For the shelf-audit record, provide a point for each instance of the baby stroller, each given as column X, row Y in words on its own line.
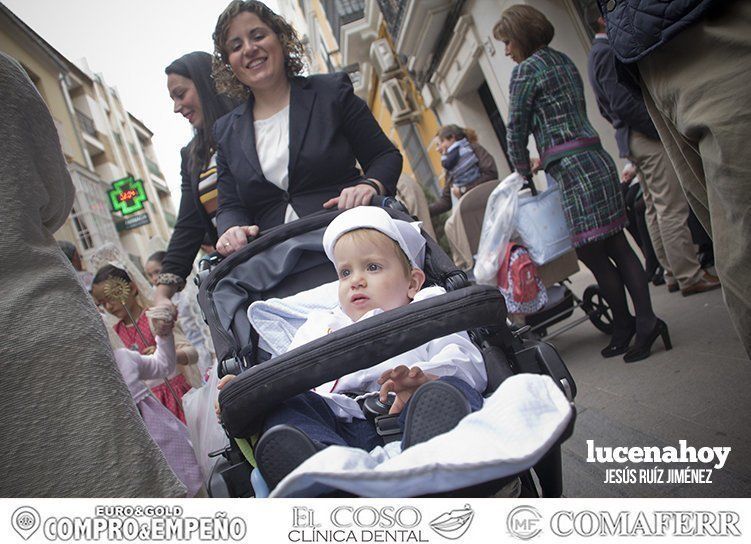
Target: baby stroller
column 562, row 302
column 554, row 274
column 289, row 259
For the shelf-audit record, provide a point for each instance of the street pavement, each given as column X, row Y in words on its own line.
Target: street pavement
column 698, row 392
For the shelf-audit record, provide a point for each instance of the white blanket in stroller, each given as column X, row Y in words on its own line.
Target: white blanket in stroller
column 517, row 425
column 277, row 319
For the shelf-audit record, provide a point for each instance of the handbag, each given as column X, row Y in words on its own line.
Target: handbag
column 541, row 225
column 519, row 281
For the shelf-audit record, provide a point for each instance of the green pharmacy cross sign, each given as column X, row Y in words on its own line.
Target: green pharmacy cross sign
column 127, row 195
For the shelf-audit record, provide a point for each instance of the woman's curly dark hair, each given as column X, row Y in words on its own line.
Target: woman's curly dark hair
column 294, row 51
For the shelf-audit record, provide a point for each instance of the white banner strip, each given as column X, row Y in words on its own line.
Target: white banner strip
column 284, row 521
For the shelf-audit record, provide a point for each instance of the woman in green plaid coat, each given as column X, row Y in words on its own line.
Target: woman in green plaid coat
column 547, row 100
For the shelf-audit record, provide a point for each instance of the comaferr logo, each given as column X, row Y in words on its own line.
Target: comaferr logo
column 524, row 522
column 641, row 523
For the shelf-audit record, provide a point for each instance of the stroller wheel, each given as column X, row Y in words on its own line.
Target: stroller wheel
column 597, row 309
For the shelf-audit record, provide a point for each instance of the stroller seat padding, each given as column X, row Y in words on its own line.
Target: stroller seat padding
column 246, row 400
column 516, row 427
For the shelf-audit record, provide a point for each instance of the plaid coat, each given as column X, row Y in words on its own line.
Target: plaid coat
column 547, row 100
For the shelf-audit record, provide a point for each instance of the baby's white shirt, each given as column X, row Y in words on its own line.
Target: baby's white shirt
column 451, row 355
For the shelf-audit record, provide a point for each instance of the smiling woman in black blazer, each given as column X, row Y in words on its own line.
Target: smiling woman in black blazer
column 291, row 149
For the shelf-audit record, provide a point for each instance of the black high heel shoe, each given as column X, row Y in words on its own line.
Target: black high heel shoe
column 619, row 342
column 642, row 349
column 658, row 278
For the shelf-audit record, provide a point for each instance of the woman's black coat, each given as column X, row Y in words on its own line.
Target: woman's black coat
column 193, row 225
column 330, row 128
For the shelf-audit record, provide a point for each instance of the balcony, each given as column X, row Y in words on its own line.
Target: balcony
column 87, row 124
column 156, row 176
column 357, row 35
column 421, row 25
column 341, row 12
column 90, row 135
column 393, row 15
column 153, row 167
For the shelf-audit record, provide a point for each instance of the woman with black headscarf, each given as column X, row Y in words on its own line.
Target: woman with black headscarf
column 192, row 91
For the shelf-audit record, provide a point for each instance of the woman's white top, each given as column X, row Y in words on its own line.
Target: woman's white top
column 272, row 146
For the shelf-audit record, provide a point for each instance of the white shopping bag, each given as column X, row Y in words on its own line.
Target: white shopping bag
column 498, row 226
column 206, row 433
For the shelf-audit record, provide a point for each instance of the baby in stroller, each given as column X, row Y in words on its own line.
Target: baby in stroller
column 379, row 263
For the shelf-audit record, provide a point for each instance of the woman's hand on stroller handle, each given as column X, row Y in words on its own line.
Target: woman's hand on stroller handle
column 357, row 195
column 234, row 238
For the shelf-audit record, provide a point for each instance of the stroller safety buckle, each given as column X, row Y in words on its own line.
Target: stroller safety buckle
column 455, row 280
column 387, row 427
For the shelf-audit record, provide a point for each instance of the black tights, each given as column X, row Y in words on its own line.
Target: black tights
column 615, row 266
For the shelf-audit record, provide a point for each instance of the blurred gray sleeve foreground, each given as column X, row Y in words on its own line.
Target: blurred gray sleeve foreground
column 68, row 427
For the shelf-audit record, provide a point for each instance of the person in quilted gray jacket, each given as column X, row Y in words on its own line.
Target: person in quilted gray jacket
column 692, row 61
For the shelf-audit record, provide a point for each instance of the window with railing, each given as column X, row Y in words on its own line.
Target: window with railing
column 341, row 12
column 393, row 14
column 350, row 10
column 91, row 215
column 417, row 157
column 82, row 229
column 354, row 73
column 87, row 123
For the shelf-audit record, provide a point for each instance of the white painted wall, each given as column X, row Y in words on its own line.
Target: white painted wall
column 471, row 110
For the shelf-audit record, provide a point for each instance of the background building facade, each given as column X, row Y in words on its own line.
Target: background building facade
column 102, row 143
column 340, row 35
column 421, row 64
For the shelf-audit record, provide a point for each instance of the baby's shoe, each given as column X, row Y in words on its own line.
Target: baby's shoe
column 281, row 450
column 434, row 409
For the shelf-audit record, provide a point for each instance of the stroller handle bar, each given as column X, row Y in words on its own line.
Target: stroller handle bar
column 246, row 400
column 382, row 201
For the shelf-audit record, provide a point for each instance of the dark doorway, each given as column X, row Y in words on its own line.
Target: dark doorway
column 499, row 127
